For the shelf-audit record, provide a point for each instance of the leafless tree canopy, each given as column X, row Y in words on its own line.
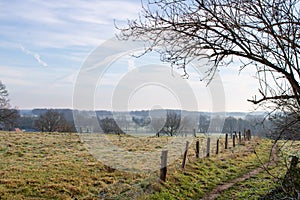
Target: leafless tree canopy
column 262, row 33
column 109, row 125
column 4, row 101
column 172, row 124
column 52, row 121
column 8, row 116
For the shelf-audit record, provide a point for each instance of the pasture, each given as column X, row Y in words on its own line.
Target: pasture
column 59, row 166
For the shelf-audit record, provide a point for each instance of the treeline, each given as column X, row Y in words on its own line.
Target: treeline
column 258, row 124
column 47, row 120
column 174, row 123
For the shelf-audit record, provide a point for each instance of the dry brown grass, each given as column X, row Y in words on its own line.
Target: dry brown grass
column 52, row 166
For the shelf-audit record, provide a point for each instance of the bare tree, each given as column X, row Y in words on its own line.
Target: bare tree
column 109, row 125
column 4, row 101
column 157, row 124
column 262, row 34
column 52, row 121
column 8, row 115
column 172, row 124
column 203, row 123
column 141, row 121
column 286, row 126
column 230, row 125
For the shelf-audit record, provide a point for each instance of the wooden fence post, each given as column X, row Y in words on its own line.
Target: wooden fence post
column 208, row 147
column 233, row 140
column 185, row 154
column 163, row 166
column 290, row 174
column 197, row 149
column 248, row 135
column 194, row 131
column 226, row 141
column 217, row 150
column 240, row 137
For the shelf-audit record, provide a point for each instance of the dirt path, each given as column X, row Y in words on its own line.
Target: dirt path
column 219, row 189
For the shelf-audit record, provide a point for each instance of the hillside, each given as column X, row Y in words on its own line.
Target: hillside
column 58, row 166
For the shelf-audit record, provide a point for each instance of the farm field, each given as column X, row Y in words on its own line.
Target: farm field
column 59, row 166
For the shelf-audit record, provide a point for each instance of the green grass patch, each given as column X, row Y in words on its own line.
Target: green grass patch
column 202, row 175
column 254, row 187
column 266, row 182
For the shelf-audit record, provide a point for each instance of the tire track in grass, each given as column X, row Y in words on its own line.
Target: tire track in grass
column 219, row 189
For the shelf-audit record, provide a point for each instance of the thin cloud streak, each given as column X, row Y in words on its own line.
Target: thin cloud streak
column 64, row 24
column 36, row 56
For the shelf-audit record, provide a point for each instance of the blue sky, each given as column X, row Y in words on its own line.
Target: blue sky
column 45, row 44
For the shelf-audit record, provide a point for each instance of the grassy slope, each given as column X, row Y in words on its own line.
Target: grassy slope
column 254, row 187
column 57, row 166
column 202, row 175
column 265, row 181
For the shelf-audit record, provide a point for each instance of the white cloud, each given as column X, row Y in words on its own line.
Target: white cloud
column 62, row 24
column 37, row 87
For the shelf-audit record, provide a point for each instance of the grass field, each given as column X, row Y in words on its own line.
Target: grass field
column 52, row 165
column 59, row 166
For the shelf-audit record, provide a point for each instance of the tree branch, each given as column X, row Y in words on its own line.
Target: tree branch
column 281, row 97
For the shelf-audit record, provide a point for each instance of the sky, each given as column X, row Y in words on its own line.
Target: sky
column 61, row 54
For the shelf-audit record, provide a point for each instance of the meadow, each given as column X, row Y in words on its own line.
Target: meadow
column 60, row 166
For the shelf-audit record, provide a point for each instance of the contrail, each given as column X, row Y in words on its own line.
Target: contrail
column 36, row 56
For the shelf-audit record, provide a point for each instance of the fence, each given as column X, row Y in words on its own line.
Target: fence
column 235, row 137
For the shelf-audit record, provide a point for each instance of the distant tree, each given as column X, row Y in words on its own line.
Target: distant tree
column 172, row 124
column 286, row 126
column 230, row 125
column 8, row 116
column 241, row 125
column 216, row 124
column 141, row 121
column 26, row 122
column 86, row 121
column 187, row 124
column 109, row 125
column 157, row 123
column 123, row 122
column 203, row 123
column 53, row 121
column 4, row 101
